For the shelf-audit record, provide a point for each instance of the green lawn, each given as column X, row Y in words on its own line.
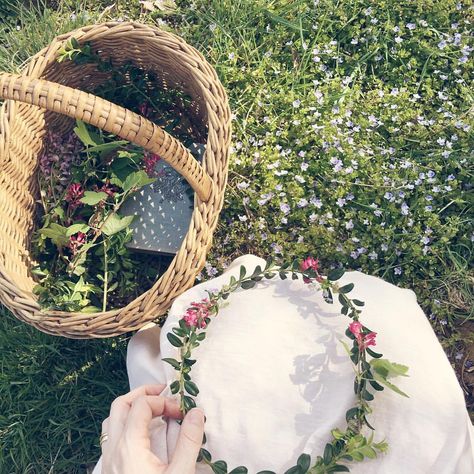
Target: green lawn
column 352, row 142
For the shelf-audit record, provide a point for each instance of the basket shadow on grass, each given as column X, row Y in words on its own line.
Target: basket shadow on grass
column 54, row 394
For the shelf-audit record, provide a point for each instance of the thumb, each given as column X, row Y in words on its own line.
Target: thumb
column 189, row 443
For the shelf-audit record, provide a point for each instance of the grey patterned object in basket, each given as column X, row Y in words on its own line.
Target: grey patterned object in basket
column 163, row 209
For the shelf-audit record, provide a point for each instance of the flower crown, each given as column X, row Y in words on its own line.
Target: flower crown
column 371, row 375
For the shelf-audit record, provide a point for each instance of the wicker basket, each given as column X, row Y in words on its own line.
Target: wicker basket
column 31, row 110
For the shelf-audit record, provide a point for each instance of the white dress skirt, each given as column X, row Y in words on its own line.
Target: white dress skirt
column 274, row 378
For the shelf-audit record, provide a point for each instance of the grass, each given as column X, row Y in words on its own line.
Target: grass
column 54, row 395
column 406, row 95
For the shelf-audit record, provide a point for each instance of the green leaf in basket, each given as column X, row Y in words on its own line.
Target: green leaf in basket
column 137, row 180
column 75, row 228
column 92, row 198
column 81, row 131
column 57, row 233
column 106, row 147
column 114, row 223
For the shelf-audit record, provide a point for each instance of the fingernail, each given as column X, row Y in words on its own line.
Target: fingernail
column 196, row 416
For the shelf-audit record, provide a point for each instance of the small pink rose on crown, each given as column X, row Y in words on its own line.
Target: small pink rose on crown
column 310, row 263
column 198, row 313
column 364, row 340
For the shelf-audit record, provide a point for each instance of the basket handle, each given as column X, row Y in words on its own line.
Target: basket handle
column 109, row 117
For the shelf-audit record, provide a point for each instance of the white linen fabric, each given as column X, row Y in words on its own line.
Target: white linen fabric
column 274, row 378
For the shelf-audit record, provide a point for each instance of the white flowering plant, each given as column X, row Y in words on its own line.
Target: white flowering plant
column 353, row 135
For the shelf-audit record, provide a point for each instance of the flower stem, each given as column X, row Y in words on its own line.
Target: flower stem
column 106, row 277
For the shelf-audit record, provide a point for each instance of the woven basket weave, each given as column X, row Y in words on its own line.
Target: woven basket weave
column 48, row 96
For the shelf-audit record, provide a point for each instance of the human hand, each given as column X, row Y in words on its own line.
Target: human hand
column 127, row 450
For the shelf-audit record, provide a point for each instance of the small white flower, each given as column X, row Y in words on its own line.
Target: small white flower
column 316, row 202
column 296, row 103
column 349, row 224
column 398, row 39
column 276, row 248
column 397, row 270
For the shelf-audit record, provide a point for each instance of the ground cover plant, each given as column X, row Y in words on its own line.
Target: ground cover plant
column 352, row 140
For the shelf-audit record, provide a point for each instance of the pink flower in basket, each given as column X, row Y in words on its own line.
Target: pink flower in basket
column 73, row 195
column 149, row 162
column 76, row 241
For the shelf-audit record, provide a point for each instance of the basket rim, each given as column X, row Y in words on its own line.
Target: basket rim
column 207, row 219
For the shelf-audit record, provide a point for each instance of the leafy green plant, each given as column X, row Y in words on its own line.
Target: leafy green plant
column 85, row 178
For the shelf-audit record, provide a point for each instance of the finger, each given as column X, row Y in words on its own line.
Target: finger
column 105, row 426
column 143, row 410
column 105, row 431
column 121, row 406
column 189, row 443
